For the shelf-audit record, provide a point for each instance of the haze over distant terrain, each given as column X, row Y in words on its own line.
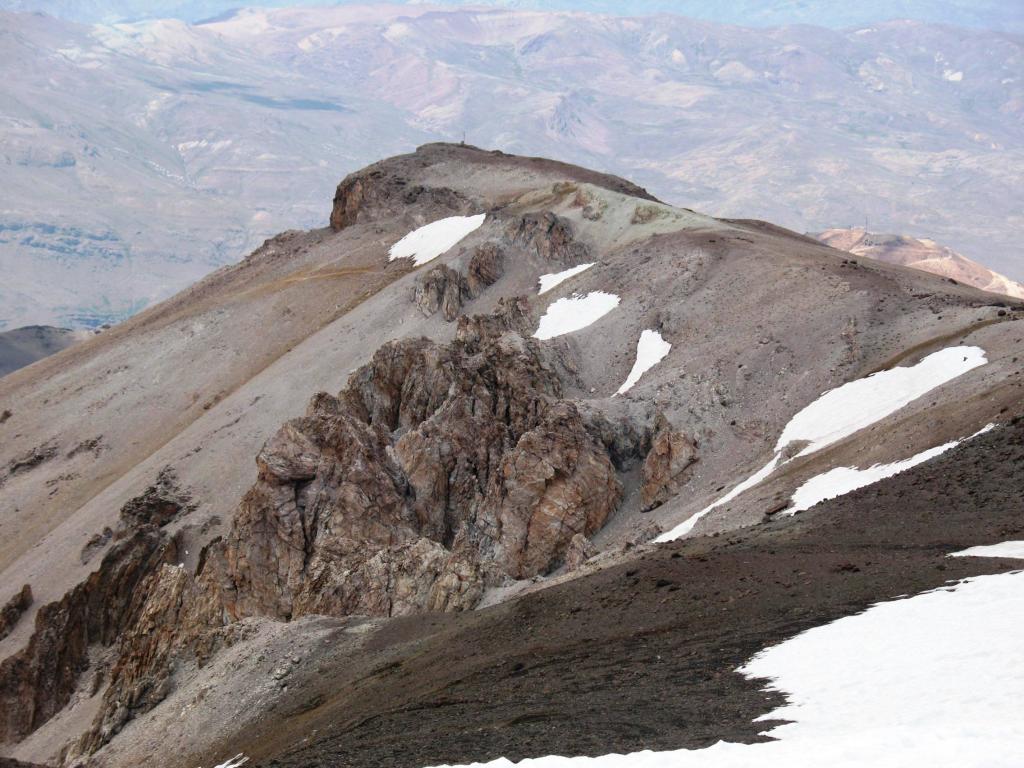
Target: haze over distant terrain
column 139, row 157
column 990, row 14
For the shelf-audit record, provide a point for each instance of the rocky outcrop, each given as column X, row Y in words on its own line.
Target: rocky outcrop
column 447, row 289
column 486, row 266
column 179, row 619
column 160, row 504
column 548, row 236
column 439, row 470
column 374, row 192
column 38, row 681
column 580, row 550
column 13, row 610
column 442, row 288
column 666, row 466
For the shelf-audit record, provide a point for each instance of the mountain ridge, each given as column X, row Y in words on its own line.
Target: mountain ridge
column 401, row 434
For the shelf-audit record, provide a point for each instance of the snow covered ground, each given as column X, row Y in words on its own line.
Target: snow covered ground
column 847, row 409
column 551, row 280
column 933, row 680
column 431, row 240
column 574, row 313
column 650, row 350
column 1014, row 549
column 842, row 480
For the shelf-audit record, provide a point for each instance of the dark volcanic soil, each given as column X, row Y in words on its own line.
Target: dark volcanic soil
column 642, row 655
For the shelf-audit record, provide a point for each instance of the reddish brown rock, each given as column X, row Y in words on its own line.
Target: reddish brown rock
column 38, row 681
column 580, row 550
column 665, row 468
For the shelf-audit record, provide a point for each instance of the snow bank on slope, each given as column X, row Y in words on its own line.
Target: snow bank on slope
column 849, row 408
column 889, row 688
column 1014, row 549
column 234, row 762
column 549, row 281
column 574, row 313
column 650, row 350
column 687, row 525
column 842, row 480
column 431, row 240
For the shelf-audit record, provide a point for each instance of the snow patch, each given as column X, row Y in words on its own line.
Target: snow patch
column 847, row 409
column 549, row 281
column 952, row 76
column 842, row 480
column 842, row 411
column 574, row 313
column 650, row 350
column 1011, row 549
column 234, row 762
column 431, row 240
column 934, row 680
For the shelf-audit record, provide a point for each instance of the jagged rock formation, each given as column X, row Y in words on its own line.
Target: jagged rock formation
column 373, row 193
column 549, row 236
column 439, row 470
column 161, row 504
column 37, row 682
column 13, row 610
column 447, row 289
column 672, row 454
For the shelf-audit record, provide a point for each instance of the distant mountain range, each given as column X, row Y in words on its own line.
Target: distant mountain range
column 988, row 14
column 139, row 157
column 923, row 254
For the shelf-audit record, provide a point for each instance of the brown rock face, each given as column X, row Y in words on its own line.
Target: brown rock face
column 440, row 469
column 13, row 610
column 374, row 192
column 664, row 470
column 580, row 550
column 37, row 682
column 159, row 504
column 446, row 289
column 549, row 236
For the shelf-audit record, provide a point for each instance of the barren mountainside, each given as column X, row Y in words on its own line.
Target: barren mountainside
column 921, row 254
column 511, row 459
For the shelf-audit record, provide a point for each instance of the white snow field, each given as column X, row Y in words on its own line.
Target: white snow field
column 431, row 240
column 574, row 313
column 551, row 280
column 650, row 350
column 849, row 408
column 842, row 480
column 1013, row 549
column 933, row 680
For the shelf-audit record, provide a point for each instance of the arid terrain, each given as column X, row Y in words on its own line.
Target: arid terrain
column 479, row 470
